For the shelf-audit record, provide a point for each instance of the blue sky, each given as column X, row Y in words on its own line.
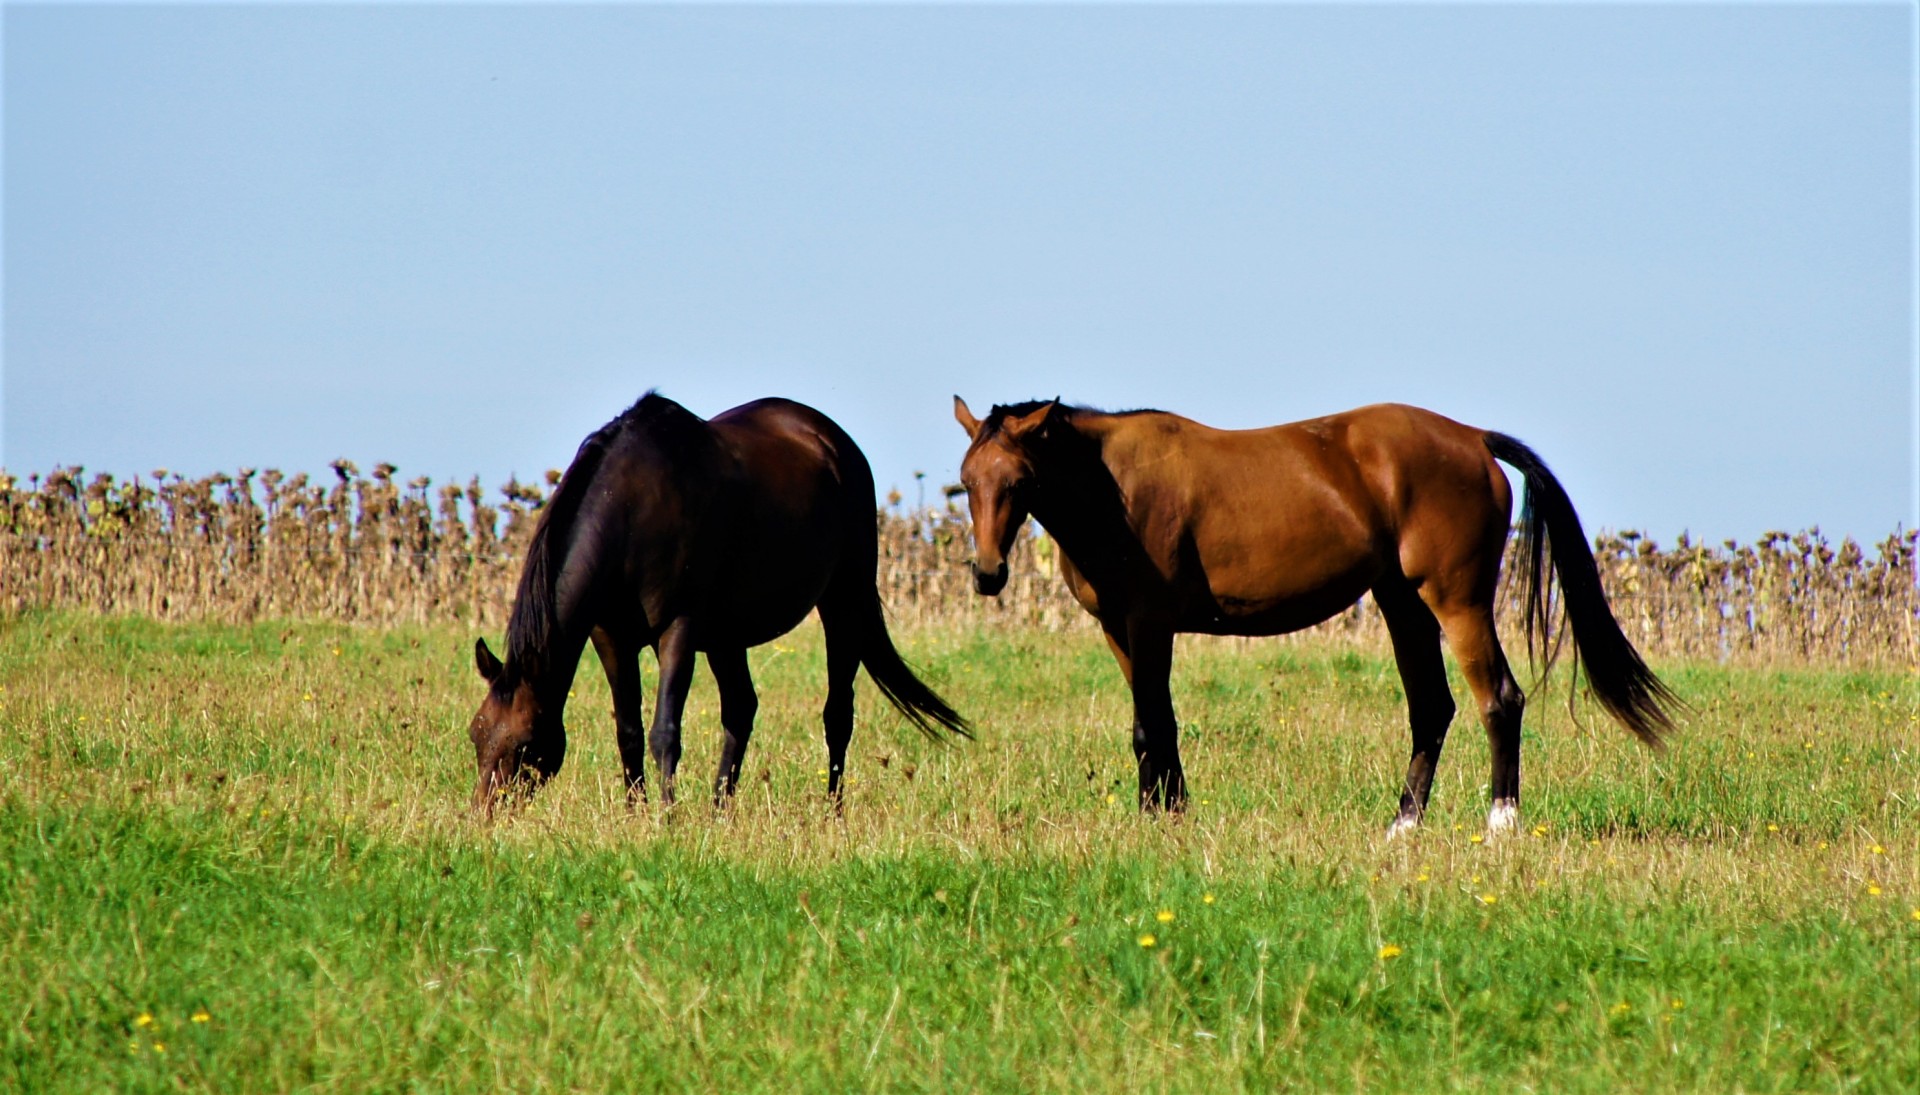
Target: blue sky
column 1670, row 246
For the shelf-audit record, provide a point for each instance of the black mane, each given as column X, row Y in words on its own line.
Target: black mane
column 530, row 627
column 998, row 416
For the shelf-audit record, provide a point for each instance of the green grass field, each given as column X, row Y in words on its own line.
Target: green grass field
column 239, row 859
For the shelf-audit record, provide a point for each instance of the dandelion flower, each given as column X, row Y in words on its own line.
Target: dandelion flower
column 201, row 1016
column 1206, row 899
column 1390, row 951
column 1147, row 939
column 1772, row 828
column 143, row 1019
column 1109, row 796
column 1916, row 914
column 1878, row 850
column 1489, row 899
column 1164, row 916
column 1476, row 839
column 1676, row 1003
column 1873, row 888
column 160, row 1047
column 1619, row 1009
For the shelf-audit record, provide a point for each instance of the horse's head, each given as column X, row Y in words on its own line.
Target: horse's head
column 517, row 743
column 998, row 474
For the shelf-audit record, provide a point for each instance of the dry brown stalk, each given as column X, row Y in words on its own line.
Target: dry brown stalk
column 366, row 548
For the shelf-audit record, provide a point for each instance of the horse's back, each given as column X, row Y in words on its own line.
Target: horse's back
column 794, row 457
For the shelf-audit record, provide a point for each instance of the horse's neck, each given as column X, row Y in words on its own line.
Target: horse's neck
column 574, row 576
column 1081, row 503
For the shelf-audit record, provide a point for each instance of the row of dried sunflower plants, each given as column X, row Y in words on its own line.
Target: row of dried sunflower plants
column 372, row 548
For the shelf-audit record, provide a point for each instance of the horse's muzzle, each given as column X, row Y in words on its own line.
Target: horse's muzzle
column 989, row 583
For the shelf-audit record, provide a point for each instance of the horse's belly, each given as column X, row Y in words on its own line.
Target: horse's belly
column 765, row 590
column 1274, row 609
column 754, row 605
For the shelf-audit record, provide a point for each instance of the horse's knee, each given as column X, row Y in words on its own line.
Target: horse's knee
column 1430, row 721
column 737, row 717
column 1503, row 710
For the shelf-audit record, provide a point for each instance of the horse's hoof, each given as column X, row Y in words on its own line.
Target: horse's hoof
column 1401, row 826
column 1503, row 818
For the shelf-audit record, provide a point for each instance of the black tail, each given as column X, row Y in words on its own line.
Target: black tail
column 920, row 704
column 1548, row 525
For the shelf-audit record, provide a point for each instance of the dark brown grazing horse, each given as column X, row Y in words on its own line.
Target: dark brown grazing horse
column 1165, row 525
column 685, row 535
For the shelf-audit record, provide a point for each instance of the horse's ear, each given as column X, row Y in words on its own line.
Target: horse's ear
column 1032, row 422
column 965, row 417
column 483, row 660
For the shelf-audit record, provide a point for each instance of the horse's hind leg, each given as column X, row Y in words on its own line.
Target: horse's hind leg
column 675, row 651
column 621, row 662
column 1423, row 674
column 843, row 664
column 1470, row 631
column 738, row 704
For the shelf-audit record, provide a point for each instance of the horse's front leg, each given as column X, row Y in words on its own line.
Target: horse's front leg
column 675, row 651
column 1156, row 735
column 621, row 662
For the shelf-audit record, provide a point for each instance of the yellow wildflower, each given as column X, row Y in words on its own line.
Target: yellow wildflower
column 1147, row 939
column 143, row 1019
column 1206, row 899
column 1164, row 916
column 201, row 1016
column 1390, row 951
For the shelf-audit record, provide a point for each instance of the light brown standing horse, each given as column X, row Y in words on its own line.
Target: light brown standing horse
column 1165, row 525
